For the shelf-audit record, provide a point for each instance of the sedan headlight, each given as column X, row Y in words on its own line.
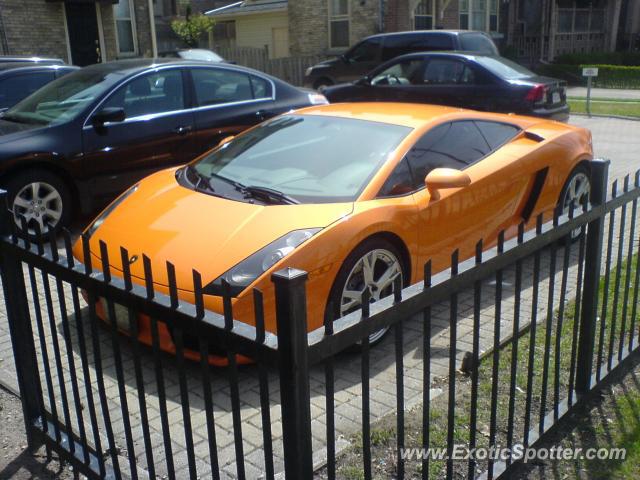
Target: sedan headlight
column 248, row 270
column 107, row 211
column 308, row 71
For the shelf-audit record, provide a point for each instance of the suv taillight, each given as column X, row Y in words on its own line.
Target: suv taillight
column 536, row 93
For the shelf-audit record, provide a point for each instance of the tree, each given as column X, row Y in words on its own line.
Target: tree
column 192, row 27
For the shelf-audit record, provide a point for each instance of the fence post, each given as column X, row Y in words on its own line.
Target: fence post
column 291, row 317
column 590, row 292
column 20, row 331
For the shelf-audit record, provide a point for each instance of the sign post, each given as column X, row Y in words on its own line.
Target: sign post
column 589, row 72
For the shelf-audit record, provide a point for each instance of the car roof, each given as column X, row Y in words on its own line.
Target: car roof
column 411, row 115
column 446, row 53
column 28, row 59
column 132, row 66
column 24, row 66
column 425, row 32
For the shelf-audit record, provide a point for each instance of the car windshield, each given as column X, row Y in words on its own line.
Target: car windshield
column 310, row 158
column 504, row 68
column 60, row 100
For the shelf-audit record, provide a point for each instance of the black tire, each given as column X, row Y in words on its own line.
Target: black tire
column 335, row 297
column 49, row 183
column 583, row 172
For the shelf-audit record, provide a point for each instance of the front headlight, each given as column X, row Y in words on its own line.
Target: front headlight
column 107, row 211
column 248, row 270
column 308, row 71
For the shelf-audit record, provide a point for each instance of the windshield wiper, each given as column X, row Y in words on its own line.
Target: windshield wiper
column 201, row 179
column 256, row 190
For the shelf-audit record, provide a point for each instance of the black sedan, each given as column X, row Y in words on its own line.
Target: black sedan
column 86, row 137
column 19, row 80
column 480, row 82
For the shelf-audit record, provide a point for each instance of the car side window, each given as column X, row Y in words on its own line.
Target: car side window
column 157, row 92
column 438, row 41
column 367, row 51
column 495, row 133
column 446, row 71
column 450, row 145
column 261, row 88
column 218, row 86
column 399, row 182
column 17, row 87
column 405, row 72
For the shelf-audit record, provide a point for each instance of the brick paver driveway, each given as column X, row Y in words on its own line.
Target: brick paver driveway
column 618, row 140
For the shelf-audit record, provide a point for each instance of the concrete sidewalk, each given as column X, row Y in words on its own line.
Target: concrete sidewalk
column 617, row 93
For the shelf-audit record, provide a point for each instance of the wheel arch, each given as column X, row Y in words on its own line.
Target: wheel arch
column 51, row 167
column 390, row 237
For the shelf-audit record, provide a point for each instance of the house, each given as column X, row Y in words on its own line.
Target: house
column 531, row 30
column 255, row 23
column 81, row 33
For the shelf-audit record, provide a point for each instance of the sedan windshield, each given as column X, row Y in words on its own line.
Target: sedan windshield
column 308, row 158
column 505, row 68
column 60, row 100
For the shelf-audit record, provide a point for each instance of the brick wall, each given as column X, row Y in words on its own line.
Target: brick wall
column 109, row 31
column 34, row 27
column 450, row 18
column 143, row 28
column 309, row 24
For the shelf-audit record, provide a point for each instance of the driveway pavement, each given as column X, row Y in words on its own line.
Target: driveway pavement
column 616, row 139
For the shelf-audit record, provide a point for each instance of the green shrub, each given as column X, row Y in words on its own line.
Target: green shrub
column 192, row 27
column 616, row 76
column 609, row 76
column 600, row 58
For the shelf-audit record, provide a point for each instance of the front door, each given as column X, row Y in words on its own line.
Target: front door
column 84, row 40
column 157, row 132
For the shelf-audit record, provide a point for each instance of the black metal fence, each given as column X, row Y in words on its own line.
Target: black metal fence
column 511, row 339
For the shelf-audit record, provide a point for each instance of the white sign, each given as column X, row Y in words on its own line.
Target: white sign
column 590, row 72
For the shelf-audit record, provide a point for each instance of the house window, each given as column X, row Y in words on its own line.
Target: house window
column 338, row 23
column 123, row 13
column 423, row 15
column 479, row 15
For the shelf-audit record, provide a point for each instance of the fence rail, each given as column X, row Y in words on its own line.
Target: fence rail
column 290, row 69
column 532, row 323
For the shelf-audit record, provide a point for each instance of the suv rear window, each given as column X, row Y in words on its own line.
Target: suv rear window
column 477, row 42
column 395, row 45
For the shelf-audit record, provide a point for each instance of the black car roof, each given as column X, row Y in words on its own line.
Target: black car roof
column 132, row 66
column 425, row 32
column 23, row 66
column 28, row 59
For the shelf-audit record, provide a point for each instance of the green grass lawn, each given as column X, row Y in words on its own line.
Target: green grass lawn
column 625, row 108
column 560, row 328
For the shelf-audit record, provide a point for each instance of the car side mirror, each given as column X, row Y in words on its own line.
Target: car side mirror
column 226, row 140
column 441, row 178
column 108, row 114
column 364, row 81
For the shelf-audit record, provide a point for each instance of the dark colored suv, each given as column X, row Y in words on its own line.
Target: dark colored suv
column 83, row 138
column 372, row 51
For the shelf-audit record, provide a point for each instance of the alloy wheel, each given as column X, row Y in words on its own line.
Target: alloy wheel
column 576, row 192
column 40, row 203
column 375, row 271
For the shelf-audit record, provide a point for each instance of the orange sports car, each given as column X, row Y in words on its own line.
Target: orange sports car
column 355, row 194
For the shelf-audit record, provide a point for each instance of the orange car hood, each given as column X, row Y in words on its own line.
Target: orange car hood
column 168, row 222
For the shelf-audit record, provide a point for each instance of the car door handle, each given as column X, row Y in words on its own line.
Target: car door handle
column 183, row 130
column 261, row 114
